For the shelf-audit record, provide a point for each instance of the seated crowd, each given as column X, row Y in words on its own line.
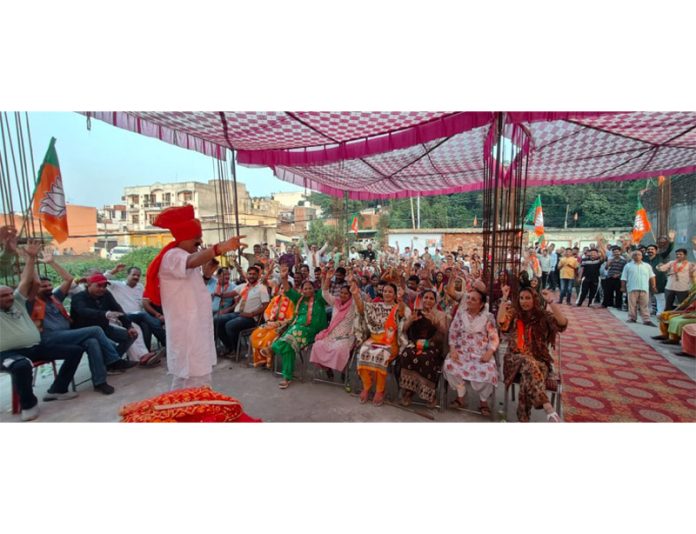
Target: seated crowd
column 417, row 316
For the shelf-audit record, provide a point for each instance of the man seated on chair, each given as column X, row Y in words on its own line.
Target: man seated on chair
column 97, row 307
column 223, row 299
column 21, row 344
column 253, row 298
column 56, row 327
column 129, row 295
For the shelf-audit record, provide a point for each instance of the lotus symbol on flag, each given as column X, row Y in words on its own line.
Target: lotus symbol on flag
column 53, row 202
column 638, row 223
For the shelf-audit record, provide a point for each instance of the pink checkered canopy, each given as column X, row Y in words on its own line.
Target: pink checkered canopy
column 396, row 154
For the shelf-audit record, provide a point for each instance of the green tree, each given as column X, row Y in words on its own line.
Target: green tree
column 320, row 233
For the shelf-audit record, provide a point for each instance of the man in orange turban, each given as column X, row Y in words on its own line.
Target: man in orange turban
column 175, row 282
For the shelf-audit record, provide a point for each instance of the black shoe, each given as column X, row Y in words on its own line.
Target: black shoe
column 121, row 365
column 330, row 374
column 661, row 338
column 104, row 388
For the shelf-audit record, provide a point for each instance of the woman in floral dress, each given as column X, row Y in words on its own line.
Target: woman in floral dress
column 473, row 340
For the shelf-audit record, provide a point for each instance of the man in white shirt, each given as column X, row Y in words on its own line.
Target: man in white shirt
column 545, row 264
column 637, row 279
column 353, row 255
column 129, row 295
column 253, row 298
column 313, row 257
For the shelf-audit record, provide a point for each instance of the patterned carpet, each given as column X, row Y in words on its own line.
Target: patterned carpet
column 611, row 374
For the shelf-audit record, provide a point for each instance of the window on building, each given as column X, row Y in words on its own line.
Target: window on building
column 188, row 196
column 167, row 198
column 151, row 217
column 135, row 219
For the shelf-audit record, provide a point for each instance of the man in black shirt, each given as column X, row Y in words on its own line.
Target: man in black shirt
column 589, row 274
column 96, row 306
column 369, row 254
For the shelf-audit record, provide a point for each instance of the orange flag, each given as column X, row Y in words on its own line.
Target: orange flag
column 48, row 204
column 641, row 224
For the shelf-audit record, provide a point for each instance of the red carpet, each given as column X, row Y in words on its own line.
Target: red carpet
column 611, row 374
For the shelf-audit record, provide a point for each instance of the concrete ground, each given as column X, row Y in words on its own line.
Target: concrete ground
column 256, row 389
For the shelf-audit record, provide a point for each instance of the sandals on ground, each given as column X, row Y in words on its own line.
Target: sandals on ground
column 379, row 399
column 457, row 404
column 285, row 384
column 485, row 410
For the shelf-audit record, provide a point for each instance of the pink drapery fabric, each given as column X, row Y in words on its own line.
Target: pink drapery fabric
column 400, row 154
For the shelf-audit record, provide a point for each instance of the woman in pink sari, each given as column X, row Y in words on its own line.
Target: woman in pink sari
column 331, row 349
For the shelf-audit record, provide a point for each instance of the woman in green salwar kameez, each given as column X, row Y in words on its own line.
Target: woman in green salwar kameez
column 310, row 319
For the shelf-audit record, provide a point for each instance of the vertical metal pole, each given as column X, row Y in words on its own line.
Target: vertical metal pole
column 347, row 225
column 233, row 167
column 413, row 217
column 418, row 205
column 496, row 190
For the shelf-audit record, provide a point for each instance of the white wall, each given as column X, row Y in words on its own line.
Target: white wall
column 416, row 240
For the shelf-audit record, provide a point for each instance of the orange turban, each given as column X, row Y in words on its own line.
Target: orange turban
column 183, row 225
column 180, row 221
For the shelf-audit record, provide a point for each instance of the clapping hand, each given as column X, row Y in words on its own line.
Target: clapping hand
column 284, row 272
column 672, row 234
column 547, row 295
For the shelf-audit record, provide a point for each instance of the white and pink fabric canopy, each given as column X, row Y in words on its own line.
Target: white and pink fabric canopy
column 398, row 154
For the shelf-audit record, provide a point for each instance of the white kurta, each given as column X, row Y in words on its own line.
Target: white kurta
column 189, row 323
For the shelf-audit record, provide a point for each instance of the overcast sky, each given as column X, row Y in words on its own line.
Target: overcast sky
column 96, row 165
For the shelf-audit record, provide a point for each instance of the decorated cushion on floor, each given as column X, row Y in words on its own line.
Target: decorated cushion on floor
column 191, row 405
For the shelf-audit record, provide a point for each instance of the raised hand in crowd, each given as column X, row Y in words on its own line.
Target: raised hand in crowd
column 8, row 239
column 548, row 296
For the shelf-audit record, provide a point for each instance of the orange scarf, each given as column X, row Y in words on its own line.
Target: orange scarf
column 310, row 308
column 38, row 312
column 279, row 309
column 683, row 266
column 520, row 336
column 390, row 329
column 244, row 295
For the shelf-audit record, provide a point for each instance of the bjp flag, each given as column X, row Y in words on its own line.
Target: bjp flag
column 535, row 215
column 641, row 224
column 48, row 204
column 355, row 225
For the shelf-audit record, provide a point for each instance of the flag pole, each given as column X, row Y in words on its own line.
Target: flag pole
column 33, row 194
